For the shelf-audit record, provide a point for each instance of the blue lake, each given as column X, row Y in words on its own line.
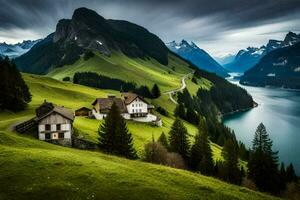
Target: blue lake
column 279, row 110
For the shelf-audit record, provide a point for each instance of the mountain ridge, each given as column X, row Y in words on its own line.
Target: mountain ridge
column 247, row 58
column 88, row 31
column 197, row 56
column 279, row 68
column 17, row 49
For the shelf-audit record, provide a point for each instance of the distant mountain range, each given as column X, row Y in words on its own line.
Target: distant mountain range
column 15, row 50
column 197, row 56
column 280, row 68
column 247, row 58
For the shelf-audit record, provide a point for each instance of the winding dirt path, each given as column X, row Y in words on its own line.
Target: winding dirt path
column 183, row 86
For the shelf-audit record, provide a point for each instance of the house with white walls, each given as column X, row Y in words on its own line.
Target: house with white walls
column 132, row 107
column 55, row 124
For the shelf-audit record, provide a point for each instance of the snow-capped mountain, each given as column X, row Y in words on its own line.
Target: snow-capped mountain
column 247, row 58
column 280, row 68
column 15, row 50
column 197, row 56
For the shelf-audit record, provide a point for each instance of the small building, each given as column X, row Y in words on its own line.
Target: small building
column 83, row 112
column 55, row 124
column 132, row 107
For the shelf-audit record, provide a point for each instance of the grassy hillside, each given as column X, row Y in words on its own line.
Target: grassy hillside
column 32, row 169
column 143, row 72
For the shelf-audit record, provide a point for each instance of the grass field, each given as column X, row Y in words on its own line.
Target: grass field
column 32, row 169
column 143, row 72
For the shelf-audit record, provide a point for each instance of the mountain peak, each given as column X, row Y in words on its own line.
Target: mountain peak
column 197, row 56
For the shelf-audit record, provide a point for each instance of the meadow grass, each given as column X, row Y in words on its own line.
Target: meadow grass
column 33, row 169
column 143, row 72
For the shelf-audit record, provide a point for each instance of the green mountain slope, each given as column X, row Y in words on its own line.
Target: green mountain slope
column 32, row 169
column 142, row 72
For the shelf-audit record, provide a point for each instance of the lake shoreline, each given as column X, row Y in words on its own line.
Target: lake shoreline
column 222, row 115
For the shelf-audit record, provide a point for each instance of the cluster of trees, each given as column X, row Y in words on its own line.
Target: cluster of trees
column 225, row 95
column 195, row 156
column 262, row 173
column 103, row 82
column 192, row 108
column 114, row 137
column 14, row 93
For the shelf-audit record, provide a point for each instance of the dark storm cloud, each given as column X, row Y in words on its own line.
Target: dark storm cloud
column 233, row 13
column 171, row 19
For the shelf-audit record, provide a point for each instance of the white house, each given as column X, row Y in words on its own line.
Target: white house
column 132, row 107
column 54, row 124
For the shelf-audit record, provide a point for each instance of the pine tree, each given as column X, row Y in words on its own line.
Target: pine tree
column 163, row 140
column 14, row 93
column 290, row 174
column 282, row 175
column 180, row 111
column 262, row 165
column 201, row 153
column 155, row 91
column 232, row 173
column 191, row 116
column 114, row 137
column 178, row 138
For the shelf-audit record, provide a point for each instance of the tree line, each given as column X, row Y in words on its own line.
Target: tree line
column 92, row 79
column 14, row 93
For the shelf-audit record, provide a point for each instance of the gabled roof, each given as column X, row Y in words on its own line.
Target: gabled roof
column 130, row 97
column 106, row 103
column 67, row 113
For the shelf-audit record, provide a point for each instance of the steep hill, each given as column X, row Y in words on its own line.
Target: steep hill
column 197, row 56
column 32, row 169
column 247, row 58
column 280, row 68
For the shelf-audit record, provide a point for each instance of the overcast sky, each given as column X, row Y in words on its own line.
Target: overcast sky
column 218, row 26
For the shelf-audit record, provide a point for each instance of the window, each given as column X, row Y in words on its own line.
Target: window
column 47, row 136
column 48, row 127
column 132, row 105
column 133, row 110
column 58, row 127
column 61, row 135
column 140, row 110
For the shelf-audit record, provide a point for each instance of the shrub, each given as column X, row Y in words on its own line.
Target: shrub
column 175, row 160
column 66, row 78
column 248, row 184
column 87, row 55
column 292, row 191
column 162, row 111
column 155, row 153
